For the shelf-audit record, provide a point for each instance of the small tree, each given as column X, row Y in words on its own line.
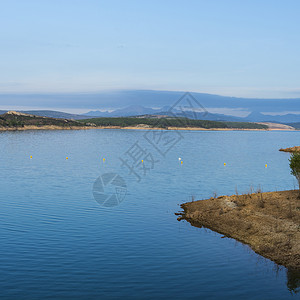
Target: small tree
column 295, row 166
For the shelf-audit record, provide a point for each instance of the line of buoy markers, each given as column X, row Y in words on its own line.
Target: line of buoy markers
column 179, row 158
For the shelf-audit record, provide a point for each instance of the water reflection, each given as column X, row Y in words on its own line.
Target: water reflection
column 293, row 280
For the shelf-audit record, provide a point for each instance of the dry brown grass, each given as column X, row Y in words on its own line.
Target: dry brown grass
column 268, row 222
column 291, row 149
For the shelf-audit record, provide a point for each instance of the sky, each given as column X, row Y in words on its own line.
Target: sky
column 243, row 48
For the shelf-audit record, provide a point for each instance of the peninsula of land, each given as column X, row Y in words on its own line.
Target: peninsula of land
column 268, row 222
column 291, row 149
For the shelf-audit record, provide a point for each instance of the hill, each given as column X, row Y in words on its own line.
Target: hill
column 50, row 114
column 295, row 125
column 18, row 120
column 172, row 122
column 55, row 114
column 285, row 119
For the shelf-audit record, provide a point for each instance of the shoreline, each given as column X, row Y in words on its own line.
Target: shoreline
column 46, row 127
column 268, row 222
column 54, row 127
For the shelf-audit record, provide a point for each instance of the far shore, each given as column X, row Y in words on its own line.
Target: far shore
column 268, row 222
column 53, row 127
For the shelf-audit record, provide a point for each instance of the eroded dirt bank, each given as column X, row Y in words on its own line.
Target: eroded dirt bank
column 268, row 222
column 291, row 149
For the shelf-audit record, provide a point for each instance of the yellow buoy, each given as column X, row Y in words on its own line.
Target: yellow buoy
column 30, row 156
column 142, row 160
column 67, row 157
column 181, row 162
column 103, row 159
column 224, row 164
column 266, row 165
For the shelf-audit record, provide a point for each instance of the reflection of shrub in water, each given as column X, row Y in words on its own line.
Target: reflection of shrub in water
column 293, row 280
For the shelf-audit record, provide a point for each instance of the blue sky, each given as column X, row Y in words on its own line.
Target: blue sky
column 227, row 47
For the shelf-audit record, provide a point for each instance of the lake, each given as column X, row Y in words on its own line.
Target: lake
column 101, row 223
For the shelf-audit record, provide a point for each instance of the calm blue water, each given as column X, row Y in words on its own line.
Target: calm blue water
column 57, row 241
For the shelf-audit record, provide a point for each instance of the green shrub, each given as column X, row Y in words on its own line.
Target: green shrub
column 295, row 165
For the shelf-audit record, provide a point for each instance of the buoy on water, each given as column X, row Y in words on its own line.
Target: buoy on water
column 224, row 164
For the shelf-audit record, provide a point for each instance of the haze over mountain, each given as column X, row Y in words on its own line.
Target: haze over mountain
column 132, row 110
column 259, row 117
column 113, row 100
column 149, row 112
column 252, row 117
column 146, row 102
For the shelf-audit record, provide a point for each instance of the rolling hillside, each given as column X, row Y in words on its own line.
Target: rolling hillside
column 172, row 122
column 14, row 119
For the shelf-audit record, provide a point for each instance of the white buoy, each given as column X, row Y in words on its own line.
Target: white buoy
column 179, row 158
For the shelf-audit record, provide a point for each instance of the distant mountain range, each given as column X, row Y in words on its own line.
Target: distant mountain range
column 138, row 110
column 259, row 117
column 146, row 98
column 132, row 110
column 125, row 103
